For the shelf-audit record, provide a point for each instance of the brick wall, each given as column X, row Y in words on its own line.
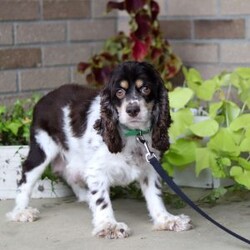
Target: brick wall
column 41, row 42
column 211, row 35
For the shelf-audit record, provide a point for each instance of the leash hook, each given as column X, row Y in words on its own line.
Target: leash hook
column 149, row 154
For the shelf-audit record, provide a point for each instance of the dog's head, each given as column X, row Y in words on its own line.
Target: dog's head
column 134, row 98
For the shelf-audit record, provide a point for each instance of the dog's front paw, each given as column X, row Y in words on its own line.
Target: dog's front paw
column 26, row 215
column 117, row 230
column 174, row 223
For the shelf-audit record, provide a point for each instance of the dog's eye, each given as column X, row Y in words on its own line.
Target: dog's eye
column 120, row 93
column 145, row 90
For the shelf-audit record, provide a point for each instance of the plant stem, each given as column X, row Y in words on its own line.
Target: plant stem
column 243, row 107
column 229, row 91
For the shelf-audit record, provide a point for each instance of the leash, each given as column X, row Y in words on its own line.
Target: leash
column 152, row 159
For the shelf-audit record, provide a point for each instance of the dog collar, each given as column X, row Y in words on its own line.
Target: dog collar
column 135, row 132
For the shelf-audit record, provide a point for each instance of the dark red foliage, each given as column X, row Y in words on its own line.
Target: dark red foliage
column 102, row 74
column 143, row 43
column 155, row 9
column 156, row 53
column 132, row 6
column 143, row 25
column 82, row 66
column 139, row 50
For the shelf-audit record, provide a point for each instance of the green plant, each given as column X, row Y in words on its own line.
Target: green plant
column 143, row 43
column 220, row 139
column 15, row 121
column 15, row 127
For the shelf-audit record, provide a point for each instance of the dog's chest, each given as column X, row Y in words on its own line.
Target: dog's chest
column 127, row 166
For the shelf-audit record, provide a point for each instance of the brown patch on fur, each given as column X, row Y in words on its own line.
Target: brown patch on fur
column 138, row 83
column 124, row 84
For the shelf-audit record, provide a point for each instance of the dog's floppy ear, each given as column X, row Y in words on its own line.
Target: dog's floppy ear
column 107, row 126
column 161, row 118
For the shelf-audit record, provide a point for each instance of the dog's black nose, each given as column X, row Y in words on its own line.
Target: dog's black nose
column 133, row 110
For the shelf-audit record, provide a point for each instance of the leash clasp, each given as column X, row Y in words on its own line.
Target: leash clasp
column 149, row 154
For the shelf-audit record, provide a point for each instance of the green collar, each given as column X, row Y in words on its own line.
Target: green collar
column 135, row 132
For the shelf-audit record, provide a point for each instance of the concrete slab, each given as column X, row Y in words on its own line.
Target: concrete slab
column 66, row 224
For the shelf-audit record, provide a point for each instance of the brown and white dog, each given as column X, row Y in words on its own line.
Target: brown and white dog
column 82, row 133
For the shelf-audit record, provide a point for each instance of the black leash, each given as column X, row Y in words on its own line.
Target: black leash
column 152, row 159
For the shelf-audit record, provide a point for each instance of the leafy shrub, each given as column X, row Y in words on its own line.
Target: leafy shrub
column 15, row 122
column 220, row 140
column 143, row 43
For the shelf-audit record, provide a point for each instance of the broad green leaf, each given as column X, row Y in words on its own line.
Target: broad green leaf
column 202, row 159
column 226, row 161
column 224, row 79
column 232, row 111
column 245, row 145
column 2, row 109
column 181, row 153
column 235, row 79
column 243, row 72
column 206, row 90
column 241, row 176
column 14, row 126
column 214, row 108
column 168, row 167
column 216, row 165
column 245, row 97
column 182, row 119
column 205, row 128
column 240, row 122
column 244, row 163
column 179, row 97
column 192, row 76
column 224, row 142
column 247, row 134
column 235, row 171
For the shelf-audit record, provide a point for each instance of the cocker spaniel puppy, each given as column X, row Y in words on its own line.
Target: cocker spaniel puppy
column 89, row 137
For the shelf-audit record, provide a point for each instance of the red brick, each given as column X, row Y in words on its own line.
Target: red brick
column 20, row 58
column 40, row 32
column 19, row 10
column 66, row 9
column 6, row 34
column 48, row 78
column 8, row 81
column 123, row 25
column 235, row 7
column 99, row 9
column 66, row 54
column 99, row 29
column 191, row 8
column 235, row 52
column 220, row 29
column 176, row 29
column 191, row 53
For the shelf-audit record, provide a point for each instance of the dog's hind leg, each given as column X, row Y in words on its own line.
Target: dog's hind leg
column 42, row 150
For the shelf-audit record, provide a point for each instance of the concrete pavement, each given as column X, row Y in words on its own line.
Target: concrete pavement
column 66, row 224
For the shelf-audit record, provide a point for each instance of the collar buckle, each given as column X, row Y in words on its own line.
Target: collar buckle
column 149, row 154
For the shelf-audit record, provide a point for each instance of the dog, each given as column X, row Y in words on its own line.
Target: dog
column 89, row 138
